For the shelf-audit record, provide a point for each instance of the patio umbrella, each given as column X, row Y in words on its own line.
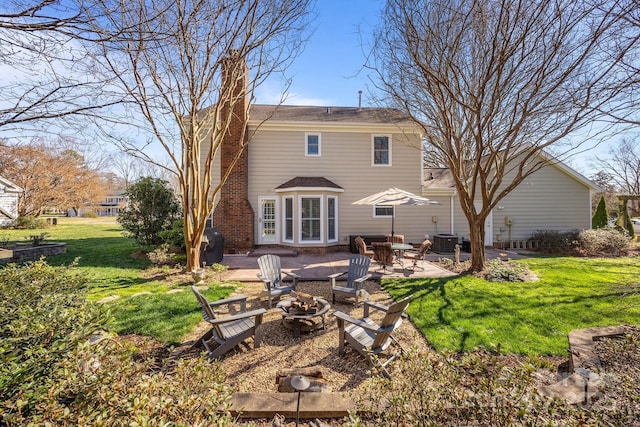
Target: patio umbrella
column 395, row 197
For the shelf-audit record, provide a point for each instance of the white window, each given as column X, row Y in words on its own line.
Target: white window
column 381, row 150
column 310, row 219
column 312, row 144
column 382, row 211
column 288, row 219
column 332, row 219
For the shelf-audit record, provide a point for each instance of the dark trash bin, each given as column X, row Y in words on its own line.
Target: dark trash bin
column 212, row 246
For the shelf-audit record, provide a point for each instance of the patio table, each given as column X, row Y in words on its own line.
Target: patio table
column 400, row 248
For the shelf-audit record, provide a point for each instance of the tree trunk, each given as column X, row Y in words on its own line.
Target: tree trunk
column 193, row 241
column 478, row 256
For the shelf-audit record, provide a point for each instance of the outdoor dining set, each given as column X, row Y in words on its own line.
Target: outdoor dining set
column 304, row 313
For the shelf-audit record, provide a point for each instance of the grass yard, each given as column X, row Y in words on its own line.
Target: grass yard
column 532, row 318
column 460, row 313
column 145, row 304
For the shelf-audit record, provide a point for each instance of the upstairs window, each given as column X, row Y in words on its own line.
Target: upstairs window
column 312, row 144
column 381, row 150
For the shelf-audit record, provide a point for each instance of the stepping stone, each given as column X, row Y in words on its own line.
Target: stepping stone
column 108, row 299
column 141, row 293
column 312, row 405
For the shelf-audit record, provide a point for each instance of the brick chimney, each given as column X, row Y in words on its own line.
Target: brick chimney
column 233, row 215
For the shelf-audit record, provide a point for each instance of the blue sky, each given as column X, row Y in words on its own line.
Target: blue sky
column 329, row 70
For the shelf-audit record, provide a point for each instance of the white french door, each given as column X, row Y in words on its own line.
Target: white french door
column 267, row 222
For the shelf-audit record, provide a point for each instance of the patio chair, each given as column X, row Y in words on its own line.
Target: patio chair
column 271, row 275
column 396, row 238
column 383, row 254
column 357, row 275
column 362, row 247
column 418, row 255
column 231, row 330
column 369, row 338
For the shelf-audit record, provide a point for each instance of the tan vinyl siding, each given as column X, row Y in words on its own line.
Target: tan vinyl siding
column 549, row 199
column 277, row 156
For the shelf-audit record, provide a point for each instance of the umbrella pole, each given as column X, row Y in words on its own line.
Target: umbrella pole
column 393, row 217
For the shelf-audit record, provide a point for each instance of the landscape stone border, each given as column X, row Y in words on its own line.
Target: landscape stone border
column 26, row 253
column 584, row 384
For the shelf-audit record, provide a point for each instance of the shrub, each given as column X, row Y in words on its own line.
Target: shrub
column 604, row 241
column 504, row 271
column 37, row 239
column 152, row 208
column 43, row 317
column 600, row 217
column 116, row 383
column 174, row 236
column 557, row 241
column 29, row 223
column 89, row 214
column 162, row 256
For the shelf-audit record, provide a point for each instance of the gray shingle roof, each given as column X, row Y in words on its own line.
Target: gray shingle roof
column 304, row 113
column 309, row 182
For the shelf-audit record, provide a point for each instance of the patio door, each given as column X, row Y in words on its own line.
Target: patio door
column 267, row 222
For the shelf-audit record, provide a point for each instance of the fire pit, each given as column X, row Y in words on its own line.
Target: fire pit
column 303, row 313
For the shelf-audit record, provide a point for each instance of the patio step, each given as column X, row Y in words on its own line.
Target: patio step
column 312, row 405
column 282, row 252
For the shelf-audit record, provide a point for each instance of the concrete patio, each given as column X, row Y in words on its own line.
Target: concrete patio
column 311, row 267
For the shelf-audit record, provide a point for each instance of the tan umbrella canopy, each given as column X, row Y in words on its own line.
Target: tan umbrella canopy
column 395, row 197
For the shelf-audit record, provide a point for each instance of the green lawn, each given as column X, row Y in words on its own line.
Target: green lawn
column 460, row 313
column 105, row 259
column 464, row 313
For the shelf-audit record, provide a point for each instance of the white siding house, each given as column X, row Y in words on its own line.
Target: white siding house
column 9, row 193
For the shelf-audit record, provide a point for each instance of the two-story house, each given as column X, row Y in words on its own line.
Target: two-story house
column 304, row 166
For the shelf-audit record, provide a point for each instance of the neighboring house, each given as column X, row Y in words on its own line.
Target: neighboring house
column 304, row 167
column 9, row 194
column 111, row 205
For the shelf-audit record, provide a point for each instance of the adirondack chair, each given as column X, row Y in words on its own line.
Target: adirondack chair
column 369, row 338
column 357, row 274
column 271, row 275
column 228, row 331
column 417, row 256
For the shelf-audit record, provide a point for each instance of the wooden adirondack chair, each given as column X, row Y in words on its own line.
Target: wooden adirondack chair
column 271, row 275
column 357, row 274
column 228, row 331
column 370, row 338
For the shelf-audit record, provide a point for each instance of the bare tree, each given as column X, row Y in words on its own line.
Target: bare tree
column 622, row 166
column 169, row 58
column 47, row 74
column 494, row 84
